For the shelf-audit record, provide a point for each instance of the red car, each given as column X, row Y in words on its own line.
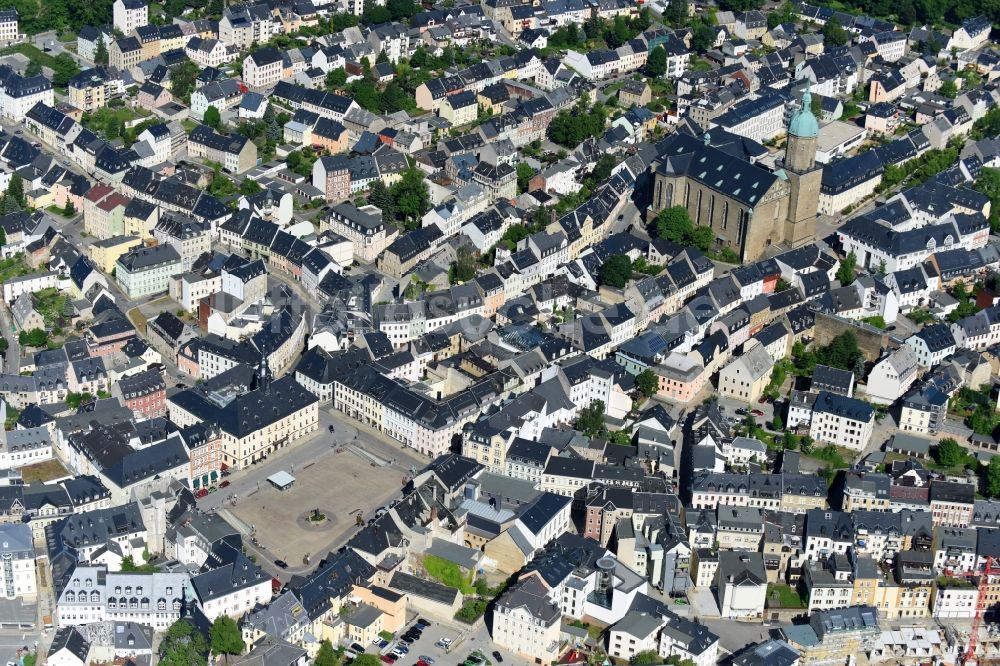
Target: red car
column 202, row 492
column 421, row 662
column 388, row 658
column 224, row 484
column 757, row 412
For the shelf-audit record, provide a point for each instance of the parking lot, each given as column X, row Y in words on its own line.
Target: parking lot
column 339, row 485
column 463, row 644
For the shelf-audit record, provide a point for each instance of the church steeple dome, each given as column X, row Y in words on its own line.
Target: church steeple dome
column 804, row 123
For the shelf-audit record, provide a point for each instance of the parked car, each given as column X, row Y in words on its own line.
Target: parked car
column 281, row 564
column 757, row 412
column 388, row 658
column 497, row 656
column 427, row 660
column 423, row 623
column 202, row 492
column 357, row 648
column 225, row 484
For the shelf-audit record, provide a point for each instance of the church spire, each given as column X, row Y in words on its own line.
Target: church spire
column 264, row 371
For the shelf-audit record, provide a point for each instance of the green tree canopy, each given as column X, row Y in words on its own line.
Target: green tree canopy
column 570, row 128
column 846, row 271
column 616, row 271
column 834, row 33
column 326, row 656
column 411, row 197
column 656, row 63
column 647, row 382
column 183, row 645
column 464, row 267
column 380, row 197
column 366, row 659
column 524, row 175
column 948, row 452
column 101, row 53
column 675, row 225
column 591, row 419
column 226, row 636
column 212, row 117
column 36, row 337
column 993, row 477
column 646, row 657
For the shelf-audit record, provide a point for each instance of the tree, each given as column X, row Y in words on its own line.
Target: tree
column 101, row 53
column 993, row 477
column 183, row 646
column 336, row 78
column 524, row 175
column 411, row 196
column 591, row 419
column 64, row 68
column 182, row 80
column 845, row 274
column 15, row 190
column 702, row 37
column 34, row 68
column 602, row 170
column 395, row 99
column 834, row 33
column 380, row 197
column 676, row 14
column 656, row 63
column 69, row 210
column 907, row 13
column 226, row 636
column 366, row 659
column 949, row 89
column 982, row 420
column 212, row 117
column 646, row 657
column 647, row 382
column 326, row 655
column 36, row 337
column 74, row 400
column 464, row 267
column 674, row 224
column 988, row 182
column 949, row 453
column 250, row 186
column 616, row 271
column 570, row 127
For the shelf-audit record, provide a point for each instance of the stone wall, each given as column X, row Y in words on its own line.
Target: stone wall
column 871, row 341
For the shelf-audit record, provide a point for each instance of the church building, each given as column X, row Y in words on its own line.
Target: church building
column 747, row 206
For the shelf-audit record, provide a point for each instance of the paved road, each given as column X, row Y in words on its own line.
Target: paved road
column 13, row 356
column 12, row 640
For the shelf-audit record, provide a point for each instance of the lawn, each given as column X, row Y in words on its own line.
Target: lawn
column 787, row 597
column 111, row 121
column 448, row 573
column 12, row 268
column 834, row 456
column 51, row 304
column 32, row 52
column 44, row 471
